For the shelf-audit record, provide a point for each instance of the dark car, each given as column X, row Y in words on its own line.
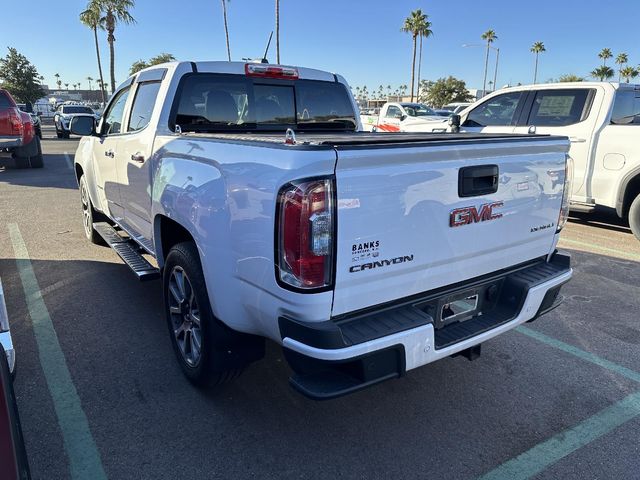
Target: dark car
column 35, row 117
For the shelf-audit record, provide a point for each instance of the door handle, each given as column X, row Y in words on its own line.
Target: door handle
column 478, row 180
column 137, row 157
column 109, row 153
column 577, row 140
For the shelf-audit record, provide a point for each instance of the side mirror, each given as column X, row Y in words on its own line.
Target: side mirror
column 403, row 117
column 454, row 123
column 83, row 126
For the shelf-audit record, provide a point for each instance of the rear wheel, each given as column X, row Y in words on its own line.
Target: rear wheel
column 204, row 347
column 634, row 217
column 29, row 156
column 88, row 214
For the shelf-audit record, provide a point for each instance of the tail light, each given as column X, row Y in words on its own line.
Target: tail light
column 15, row 122
column 566, row 194
column 28, row 129
column 306, row 234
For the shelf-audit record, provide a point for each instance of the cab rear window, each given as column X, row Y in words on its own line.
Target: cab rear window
column 626, row 109
column 5, row 102
column 559, row 108
column 218, row 102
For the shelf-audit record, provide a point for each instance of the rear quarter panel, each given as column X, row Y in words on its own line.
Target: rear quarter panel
column 225, row 195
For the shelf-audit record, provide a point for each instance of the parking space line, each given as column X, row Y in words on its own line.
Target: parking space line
column 543, row 455
column 575, row 351
column 80, row 447
column 68, row 160
column 630, row 255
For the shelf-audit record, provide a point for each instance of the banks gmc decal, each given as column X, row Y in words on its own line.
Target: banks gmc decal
column 468, row 215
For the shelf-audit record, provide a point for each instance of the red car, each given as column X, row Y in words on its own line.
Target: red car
column 17, row 134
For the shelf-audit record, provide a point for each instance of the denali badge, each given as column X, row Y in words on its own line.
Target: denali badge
column 467, row 215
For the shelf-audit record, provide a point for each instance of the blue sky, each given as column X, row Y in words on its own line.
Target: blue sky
column 360, row 39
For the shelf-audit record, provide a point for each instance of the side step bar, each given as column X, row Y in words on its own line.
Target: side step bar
column 129, row 251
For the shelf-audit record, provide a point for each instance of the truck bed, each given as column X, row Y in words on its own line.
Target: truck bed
column 367, row 139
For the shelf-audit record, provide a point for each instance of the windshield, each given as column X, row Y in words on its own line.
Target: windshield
column 77, row 109
column 418, row 110
column 217, row 102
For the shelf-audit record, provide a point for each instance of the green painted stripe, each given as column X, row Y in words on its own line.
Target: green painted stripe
column 544, row 454
column 589, row 357
column 631, row 255
column 81, row 449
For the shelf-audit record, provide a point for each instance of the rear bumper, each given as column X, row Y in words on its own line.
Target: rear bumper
column 344, row 355
column 10, row 141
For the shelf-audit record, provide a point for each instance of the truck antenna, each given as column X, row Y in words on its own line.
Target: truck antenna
column 264, row 58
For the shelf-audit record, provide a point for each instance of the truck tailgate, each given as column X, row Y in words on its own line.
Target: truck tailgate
column 404, row 229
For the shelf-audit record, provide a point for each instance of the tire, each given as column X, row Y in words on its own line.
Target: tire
column 29, row 156
column 58, row 133
column 89, row 214
column 191, row 321
column 634, row 217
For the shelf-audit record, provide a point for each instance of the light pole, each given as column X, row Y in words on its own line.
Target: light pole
column 497, row 49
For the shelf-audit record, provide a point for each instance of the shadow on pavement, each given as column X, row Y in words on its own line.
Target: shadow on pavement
column 146, row 418
column 606, row 218
column 55, row 173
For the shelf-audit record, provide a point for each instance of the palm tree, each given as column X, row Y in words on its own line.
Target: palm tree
column 605, row 54
column 603, row 73
column 226, row 27
column 92, row 18
column 278, row 31
column 114, row 12
column 537, row 48
column 621, row 59
column 628, row 73
column 57, row 75
column 89, row 79
column 66, row 85
column 403, row 90
column 414, row 24
column 425, row 32
column 489, row 36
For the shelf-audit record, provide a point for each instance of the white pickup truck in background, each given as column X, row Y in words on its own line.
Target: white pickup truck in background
column 397, row 116
column 250, row 190
column 602, row 121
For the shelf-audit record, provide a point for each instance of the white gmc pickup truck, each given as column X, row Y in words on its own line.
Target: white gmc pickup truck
column 251, row 191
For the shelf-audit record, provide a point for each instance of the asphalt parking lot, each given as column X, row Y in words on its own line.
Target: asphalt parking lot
column 100, row 394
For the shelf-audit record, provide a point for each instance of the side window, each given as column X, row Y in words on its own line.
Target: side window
column 393, row 112
column 626, row 109
column 498, row 111
column 559, row 108
column 143, row 106
column 112, row 123
column 4, row 101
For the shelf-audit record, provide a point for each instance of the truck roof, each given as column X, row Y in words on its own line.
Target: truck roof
column 238, row 68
